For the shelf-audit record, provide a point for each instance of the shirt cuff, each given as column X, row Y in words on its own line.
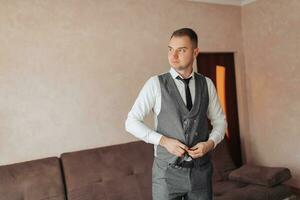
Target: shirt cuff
column 154, row 137
column 214, row 137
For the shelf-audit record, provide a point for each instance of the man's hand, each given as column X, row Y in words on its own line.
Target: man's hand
column 201, row 149
column 173, row 146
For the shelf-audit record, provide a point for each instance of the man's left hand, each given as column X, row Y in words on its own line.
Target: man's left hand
column 201, row 149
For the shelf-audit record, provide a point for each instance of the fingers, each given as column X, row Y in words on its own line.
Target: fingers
column 182, row 146
column 180, row 149
column 179, row 152
column 197, row 151
column 196, row 146
column 196, row 155
column 174, row 146
column 177, row 148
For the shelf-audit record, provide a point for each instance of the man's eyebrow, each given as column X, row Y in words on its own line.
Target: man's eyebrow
column 178, row 48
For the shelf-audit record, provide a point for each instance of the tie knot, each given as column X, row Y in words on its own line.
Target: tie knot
column 185, row 81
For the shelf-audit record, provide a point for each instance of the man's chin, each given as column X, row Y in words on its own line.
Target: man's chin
column 178, row 67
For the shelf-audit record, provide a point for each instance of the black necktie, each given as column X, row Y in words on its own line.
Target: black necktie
column 188, row 97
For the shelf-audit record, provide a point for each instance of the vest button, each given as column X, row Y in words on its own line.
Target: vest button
column 196, row 133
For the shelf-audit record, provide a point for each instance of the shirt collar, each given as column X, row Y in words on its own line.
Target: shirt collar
column 174, row 73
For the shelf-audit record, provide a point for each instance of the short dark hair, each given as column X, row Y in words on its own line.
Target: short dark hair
column 187, row 32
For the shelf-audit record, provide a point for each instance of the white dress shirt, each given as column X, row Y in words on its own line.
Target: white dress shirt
column 149, row 99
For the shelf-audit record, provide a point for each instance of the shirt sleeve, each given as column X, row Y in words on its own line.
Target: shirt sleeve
column 144, row 103
column 215, row 114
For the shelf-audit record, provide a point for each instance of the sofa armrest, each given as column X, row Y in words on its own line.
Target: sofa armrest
column 260, row 175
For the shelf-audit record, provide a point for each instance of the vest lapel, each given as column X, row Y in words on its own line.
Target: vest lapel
column 198, row 96
column 174, row 93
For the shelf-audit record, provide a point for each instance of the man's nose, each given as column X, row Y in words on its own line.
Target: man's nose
column 175, row 54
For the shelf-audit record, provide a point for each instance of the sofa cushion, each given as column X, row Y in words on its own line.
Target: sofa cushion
column 108, row 173
column 261, row 175
column 222, row 187
column 32, row 180
column 256, row 192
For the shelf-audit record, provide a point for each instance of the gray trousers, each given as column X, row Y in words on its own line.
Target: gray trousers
column 176, row 183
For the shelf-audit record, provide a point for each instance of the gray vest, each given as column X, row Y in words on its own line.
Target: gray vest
column 176, row 121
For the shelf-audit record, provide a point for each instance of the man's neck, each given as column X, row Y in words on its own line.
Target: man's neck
column 185, row 73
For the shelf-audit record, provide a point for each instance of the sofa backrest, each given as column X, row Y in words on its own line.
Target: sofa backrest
column 32, row 180
column 222, row 161
column 109, row 173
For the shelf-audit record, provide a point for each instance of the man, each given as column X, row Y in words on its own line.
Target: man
column 181, row 101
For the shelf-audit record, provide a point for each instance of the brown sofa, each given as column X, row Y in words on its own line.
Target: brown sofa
column 32, row 180
column 123, row 172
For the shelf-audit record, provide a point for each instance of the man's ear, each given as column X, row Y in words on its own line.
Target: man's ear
column 196, row 52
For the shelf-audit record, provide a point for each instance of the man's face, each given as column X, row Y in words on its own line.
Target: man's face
column 181, row 53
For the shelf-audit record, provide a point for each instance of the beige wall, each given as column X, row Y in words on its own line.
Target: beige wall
column 70, row 70
column 271, row 35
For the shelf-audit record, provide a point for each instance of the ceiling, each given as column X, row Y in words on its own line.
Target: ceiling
column 226, row 2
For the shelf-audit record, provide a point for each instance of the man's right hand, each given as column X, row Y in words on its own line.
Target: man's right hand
column 173, row 146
